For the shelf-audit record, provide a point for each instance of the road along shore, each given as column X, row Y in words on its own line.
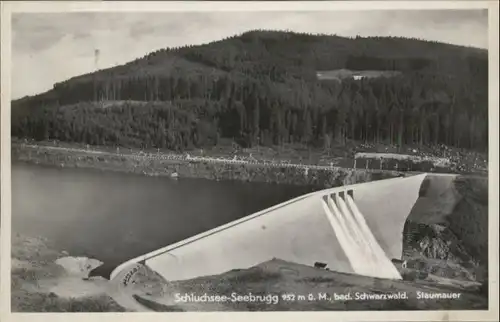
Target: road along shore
column 185, row 166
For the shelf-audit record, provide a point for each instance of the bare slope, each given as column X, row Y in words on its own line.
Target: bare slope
column 342, row 74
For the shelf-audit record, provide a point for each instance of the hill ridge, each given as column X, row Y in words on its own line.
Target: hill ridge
column 259, row 90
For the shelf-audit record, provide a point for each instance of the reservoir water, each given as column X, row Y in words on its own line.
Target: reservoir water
column 114, row 217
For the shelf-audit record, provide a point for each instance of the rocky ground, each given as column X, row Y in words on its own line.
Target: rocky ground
column 447, row 230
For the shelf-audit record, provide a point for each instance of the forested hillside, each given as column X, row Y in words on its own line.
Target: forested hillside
column 261, row 88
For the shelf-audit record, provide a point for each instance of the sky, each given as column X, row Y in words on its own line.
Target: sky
column 51, row 47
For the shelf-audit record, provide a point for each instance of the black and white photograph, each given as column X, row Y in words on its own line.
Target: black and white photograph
column 250, row 160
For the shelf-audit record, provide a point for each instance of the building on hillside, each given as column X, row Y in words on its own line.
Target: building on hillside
column 398, row 162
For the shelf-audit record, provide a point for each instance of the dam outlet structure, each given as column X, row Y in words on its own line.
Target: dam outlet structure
column 354, row 229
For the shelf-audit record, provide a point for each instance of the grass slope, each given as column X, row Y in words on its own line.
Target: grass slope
column 278, row 278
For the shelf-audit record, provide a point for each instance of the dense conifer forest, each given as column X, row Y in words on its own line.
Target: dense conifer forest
column 261, row 88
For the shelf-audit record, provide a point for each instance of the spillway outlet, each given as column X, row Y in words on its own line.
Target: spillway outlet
column 342, row 194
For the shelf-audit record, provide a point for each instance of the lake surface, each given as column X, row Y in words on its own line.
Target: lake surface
column 114, row 217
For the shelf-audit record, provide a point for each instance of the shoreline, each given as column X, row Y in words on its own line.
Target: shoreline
column 40, row 284
column 185, row 166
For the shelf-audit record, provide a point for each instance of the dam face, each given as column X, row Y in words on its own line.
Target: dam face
column 354, row 229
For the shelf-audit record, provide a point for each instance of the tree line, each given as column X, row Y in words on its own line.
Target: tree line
column 193, row 96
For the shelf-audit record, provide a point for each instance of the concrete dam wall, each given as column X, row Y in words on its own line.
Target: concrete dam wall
column 354, row 229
